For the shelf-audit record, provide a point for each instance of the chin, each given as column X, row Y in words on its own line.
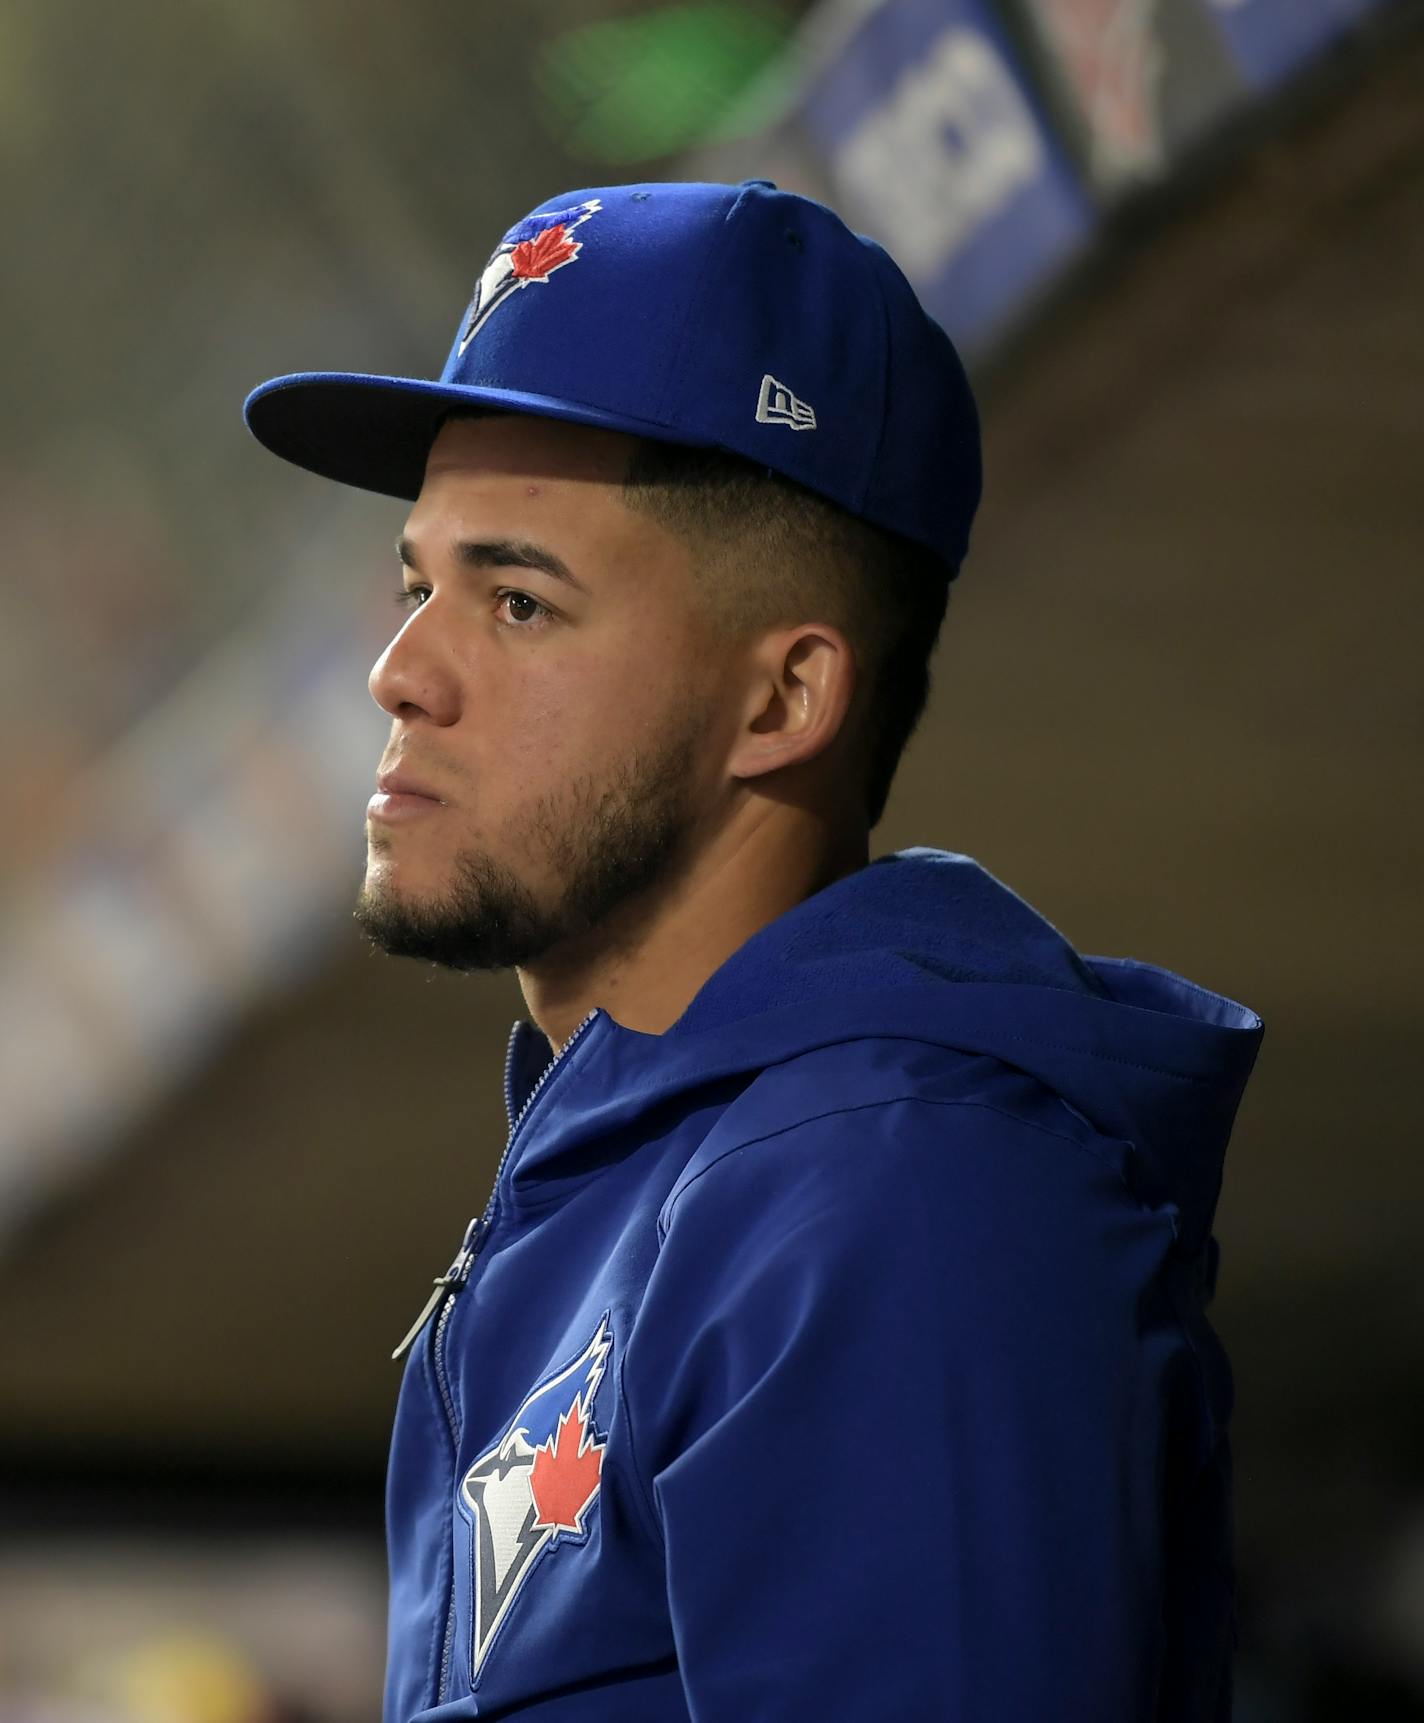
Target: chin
column 385, row 874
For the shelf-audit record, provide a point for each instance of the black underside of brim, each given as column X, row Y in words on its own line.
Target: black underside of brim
column 374, row 435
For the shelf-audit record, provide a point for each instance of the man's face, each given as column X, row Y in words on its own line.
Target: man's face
column 570, row 746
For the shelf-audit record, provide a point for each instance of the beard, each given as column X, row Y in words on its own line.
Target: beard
column 608, row 845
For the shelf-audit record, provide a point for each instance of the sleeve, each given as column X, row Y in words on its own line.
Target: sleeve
column 897, row 1396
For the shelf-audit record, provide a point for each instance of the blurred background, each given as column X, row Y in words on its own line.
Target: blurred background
column 1177, row 707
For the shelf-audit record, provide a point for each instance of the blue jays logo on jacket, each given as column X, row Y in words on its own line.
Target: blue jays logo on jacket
column 529, row 253
column 535, row 1488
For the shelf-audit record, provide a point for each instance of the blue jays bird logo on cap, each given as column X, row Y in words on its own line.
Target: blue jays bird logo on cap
column 529, row 253
column 534, row 1489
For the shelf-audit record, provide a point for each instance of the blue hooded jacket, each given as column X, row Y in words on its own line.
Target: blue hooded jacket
column 840, row 1352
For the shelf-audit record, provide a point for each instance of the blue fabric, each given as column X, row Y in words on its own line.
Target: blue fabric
column 841, row 1352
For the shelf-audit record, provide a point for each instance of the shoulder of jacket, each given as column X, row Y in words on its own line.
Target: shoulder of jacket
column 828, row 1082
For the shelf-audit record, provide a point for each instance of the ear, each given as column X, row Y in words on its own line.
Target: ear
column 800, row 684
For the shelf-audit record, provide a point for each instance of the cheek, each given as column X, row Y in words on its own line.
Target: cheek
column 656, row 669
column 563, row 718
column 552, row 720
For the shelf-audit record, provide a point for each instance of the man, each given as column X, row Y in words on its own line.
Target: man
column 832, row 1343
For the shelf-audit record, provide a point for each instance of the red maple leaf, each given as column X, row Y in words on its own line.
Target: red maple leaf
column 533, row 259
column 564, row 1476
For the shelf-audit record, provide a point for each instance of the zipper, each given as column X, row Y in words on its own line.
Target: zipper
column 449, row 1401
column 448, row 1286
column 543, row 1078
column 453, row 1277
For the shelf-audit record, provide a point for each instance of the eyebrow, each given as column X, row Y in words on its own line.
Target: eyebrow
column 498, row 553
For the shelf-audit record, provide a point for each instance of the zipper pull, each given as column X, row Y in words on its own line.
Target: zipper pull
column 453, row 1279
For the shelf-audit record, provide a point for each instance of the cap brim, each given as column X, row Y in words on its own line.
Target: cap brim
column 375, row 432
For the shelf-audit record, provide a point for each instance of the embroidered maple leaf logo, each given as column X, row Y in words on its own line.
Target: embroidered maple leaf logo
column 535, row 259
column 564, row 1477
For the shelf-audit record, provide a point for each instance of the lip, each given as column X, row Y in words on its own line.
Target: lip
column 392, row 805
column 403, row 784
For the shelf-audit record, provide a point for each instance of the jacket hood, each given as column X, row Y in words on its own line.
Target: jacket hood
column 922, row 944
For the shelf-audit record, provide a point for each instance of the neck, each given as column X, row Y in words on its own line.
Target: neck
column 646, row 963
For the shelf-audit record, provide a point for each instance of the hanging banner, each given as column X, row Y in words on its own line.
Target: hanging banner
column 934, row 147
column 1132, row 83
column 1272, row 38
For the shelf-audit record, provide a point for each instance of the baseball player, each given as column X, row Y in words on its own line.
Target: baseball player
column 832, row 1343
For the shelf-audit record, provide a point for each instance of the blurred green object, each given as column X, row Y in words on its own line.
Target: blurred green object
column 637, row 88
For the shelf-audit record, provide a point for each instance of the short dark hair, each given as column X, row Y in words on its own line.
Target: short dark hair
column 769, row 553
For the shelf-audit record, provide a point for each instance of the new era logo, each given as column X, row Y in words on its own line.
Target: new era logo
column 776, row 405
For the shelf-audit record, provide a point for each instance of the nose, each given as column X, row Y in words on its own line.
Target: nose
column 412, row 676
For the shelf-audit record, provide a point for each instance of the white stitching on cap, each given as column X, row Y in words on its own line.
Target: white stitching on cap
column 776, row 405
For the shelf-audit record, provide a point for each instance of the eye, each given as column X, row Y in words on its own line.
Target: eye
column 528, row 625
column 416, row 595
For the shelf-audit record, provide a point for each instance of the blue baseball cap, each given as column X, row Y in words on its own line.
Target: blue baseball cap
column 740, row 317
